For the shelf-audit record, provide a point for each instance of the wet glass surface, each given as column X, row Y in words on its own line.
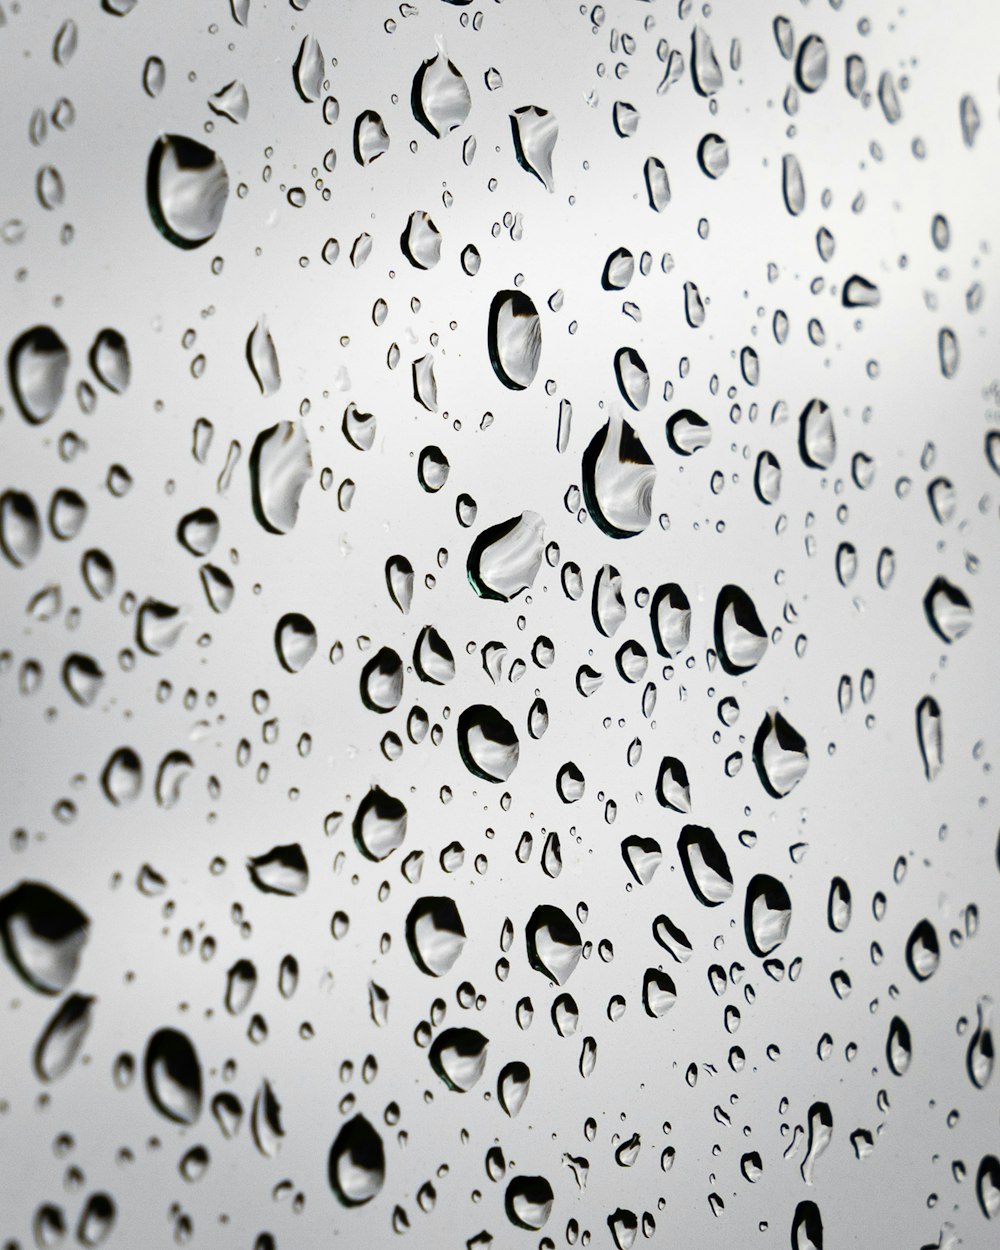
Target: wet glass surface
column 497, row 525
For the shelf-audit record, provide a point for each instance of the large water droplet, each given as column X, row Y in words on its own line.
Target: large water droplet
column 43, row 935
column 504, row 559
column 514, row 334
column 488, row 743
column 186, row 189
column 780, row 754
column 440, row 96
column 458, row 1056
column 173, row 1076
column 379, row 824
column 280, row 466
column 705, row 865
column 37, row 364
column 554, row 943
column 740, row 638
column 767, row 914
column 435, row 934
column 356, row 1165
column 618, row 480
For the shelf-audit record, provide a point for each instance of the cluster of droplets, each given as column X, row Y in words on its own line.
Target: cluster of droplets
column 568, row 599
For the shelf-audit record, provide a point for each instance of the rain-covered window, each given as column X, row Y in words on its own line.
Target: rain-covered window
column 498, row 613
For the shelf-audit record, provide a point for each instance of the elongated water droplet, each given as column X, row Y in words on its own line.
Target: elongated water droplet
column 514, row 338
column 535, row 132
column 37, row 364
column 371, row 139
column 740, row 638
column 64, row 1035
column 262, row 358
column 793, row 186
column 705, row 865
column 767, row 914
column 20, row 528
column 280, row 466
column 308, row 70
column 173, row 1076
column 618, row 480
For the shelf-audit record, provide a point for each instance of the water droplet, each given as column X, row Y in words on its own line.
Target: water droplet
column 186, row 189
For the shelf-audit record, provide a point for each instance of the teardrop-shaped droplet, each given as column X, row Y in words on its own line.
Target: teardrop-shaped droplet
column 421, row 241
column 440, row 96
column 898, row 1046
column 458, row 1056
column 618, row 480
column 109, row 359
column 838, row 909
column 923, row 951
column 670, row 616
column 705, row 865
column 173, row 1076
column 767, row 914
column 513, row 1084
column 121, row 779
column 659, row 993
column 241, row 982
column 705, row 72
column 535, row 132
column 382, row 681
column 37, row 364
column 780, row 754
column 740, row 638
column 186, row 190
column 435, row 934
column 554, row 943
column 399, row 579
column 793, row 184
column 295, row 641
column 433, row 658
column 356, row 1166
column 63, row 1037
